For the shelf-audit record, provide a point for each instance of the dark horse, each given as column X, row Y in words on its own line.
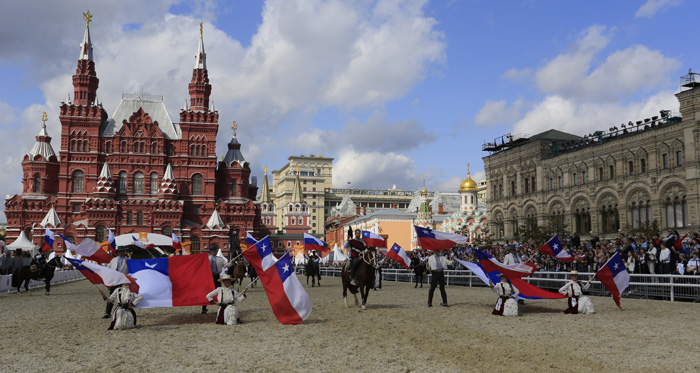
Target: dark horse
column 313, row 271
column 238, row 273
column 24, row 274
column 252, row 274
column 364, row 276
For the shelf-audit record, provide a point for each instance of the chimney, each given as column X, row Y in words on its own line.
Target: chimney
column 441, row 209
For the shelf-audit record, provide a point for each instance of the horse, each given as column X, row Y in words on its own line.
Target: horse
column 313, row 271
column 24, row 274
column 364, row 276
column 238, row 273
column 252, row 274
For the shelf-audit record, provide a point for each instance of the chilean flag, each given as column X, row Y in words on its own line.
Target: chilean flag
column 48, row 240
column 260, row 255
column 373, row 239
column 614, row 277
column 554, row 248
column 89, row 250
column 249, row 239
column 99, row 274
column 313, row 243
column 399, row 254
column 290, row 303
column 527, row 290
column 173, row 281
column 512, row 271
column 436, row 240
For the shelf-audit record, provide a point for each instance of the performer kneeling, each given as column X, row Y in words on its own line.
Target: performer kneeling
column 226, row 296
column 507, row 294
column 123, row 316
column 574, row 290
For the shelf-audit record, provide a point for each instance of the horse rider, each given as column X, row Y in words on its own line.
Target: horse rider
column 40, row 262
column 216, row 264
column 314, row 257
column 226, row 296
column 118, row 264
column 124, row 316
column 357, row 246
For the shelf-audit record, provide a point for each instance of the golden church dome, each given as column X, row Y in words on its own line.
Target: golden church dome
column 468, row 185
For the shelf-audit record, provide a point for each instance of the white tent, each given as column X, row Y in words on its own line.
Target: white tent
column 299, row 259
column 338, row 256
column 22, row 243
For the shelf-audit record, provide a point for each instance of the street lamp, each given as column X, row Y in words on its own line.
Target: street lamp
column 234, row 243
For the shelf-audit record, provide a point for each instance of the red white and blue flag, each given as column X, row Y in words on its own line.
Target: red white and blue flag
column 512, row 271
column 89, row 250
column 48, row 240
column 527, row 290
column 112, row 242
column 249, row 239
column 176, row 243
column 436, row 240
column 614, row 277
column 290, row 303
column 99, row 274
column 373, row 239
column 313, row 243
column 173, row 281
column 554, row 248
column 260, row 255
column 399, row 255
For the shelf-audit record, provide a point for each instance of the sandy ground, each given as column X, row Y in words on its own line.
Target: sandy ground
column 397, row 333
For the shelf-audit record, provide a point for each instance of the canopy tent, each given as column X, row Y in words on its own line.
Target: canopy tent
column 23, row 243
column 338, row 256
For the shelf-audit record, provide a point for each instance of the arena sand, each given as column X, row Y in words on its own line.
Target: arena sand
column 397, row 333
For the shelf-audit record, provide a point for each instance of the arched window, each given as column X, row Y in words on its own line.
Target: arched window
column 293, row 220
column 78, row 179
column 139, row 218
column 154, row 148
column 197, row 150
column 72, row 145
column 141, row 147
column 676, row 212
column 100, row 233
column 123, row 146
column 85, row 144
column 234, row 189
column 28, row 232
column 167, row 231
column 204, row 150
column 154, row 183
column 192, row 150
column 122, row 182
column 135, row 147
column 37, row 184
column 194, row 245
column 138, row 183
column 267, row 220
column 197, row 185
column 108, row 147
column 534, row 186
column 171, row 149
column 129, row 218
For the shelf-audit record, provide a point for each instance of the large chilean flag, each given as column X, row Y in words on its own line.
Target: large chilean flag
column 436, row 240
column 373, row 239
column 174, row 281
column 88, row 249
column 290, row 303
column 512, row 271
column 614, row 277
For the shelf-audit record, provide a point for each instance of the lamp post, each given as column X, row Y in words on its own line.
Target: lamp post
column 234, row 242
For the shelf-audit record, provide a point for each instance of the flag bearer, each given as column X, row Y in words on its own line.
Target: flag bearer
column 118, row 264
column 124, row 316
column 574, row 290
column 507, row 293
column 226, row 296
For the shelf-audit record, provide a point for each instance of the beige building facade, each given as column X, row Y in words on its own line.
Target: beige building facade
column 605, row 182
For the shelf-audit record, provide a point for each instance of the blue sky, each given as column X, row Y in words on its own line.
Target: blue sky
column 397, row 91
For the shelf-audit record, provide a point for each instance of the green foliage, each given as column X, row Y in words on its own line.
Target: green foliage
column 555, row 225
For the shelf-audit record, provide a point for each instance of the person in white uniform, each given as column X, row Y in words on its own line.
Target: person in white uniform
column 574, row 291
column 123, row 316
column 507, row 294
column 226, row 297
column 118, row 264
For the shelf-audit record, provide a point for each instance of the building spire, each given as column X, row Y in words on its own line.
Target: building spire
column 199, row 87
column 265, row 192
column 201, row 57
column 85, row 81
column 86, row 45
column 297, row 196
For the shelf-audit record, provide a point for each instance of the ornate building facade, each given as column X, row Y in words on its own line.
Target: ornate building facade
column 136, row 171
column 604, row 182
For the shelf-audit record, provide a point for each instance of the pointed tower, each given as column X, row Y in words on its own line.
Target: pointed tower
column 40, row 165
column 199, row 87
column 424, row 217
column 268, row 215
column 168, row 188
column 296, row 215
column 105, row 186
column 468, row 191
column 85, row 81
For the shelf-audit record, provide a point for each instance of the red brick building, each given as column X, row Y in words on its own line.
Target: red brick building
column 136, row 171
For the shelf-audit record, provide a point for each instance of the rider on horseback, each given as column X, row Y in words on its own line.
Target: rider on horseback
column 314, row 257
column 39, row 262
column 357, row 246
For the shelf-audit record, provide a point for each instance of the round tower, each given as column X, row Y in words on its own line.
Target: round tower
column 468, row 191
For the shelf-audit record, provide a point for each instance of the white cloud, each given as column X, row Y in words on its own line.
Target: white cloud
column 517, row 74
column 7, row 113
column 498, row 112
column 374, row 170
column 651, row 7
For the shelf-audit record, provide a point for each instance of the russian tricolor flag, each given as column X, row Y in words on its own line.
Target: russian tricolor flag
column 173, row 281
column 249, row 239
column 313, row 243
column 512, row 271
column 436, row 240
column 112, row 242
column 373, row 239
column 614, row 277
column 260, row 255
column 48, row 240
column 399, row 255
column 290, row 303
column 89, row 250
column 554, row 248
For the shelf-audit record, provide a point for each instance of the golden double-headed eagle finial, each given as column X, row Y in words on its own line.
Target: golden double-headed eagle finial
column 88, row 18
column 44, row 118
column 234, row 125
column 201, row 30
column 265, row 168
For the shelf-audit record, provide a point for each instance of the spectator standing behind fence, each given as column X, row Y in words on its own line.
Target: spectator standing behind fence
column 631, row 263
column 693, row 266
column 651, row 257
column 665, row 259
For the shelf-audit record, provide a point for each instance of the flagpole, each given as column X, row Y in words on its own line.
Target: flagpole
column 251, row 283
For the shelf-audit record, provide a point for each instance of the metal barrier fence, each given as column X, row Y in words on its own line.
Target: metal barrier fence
column 663, row 287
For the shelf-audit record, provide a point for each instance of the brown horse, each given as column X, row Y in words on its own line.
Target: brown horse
column 364, row 276
column 238, row 273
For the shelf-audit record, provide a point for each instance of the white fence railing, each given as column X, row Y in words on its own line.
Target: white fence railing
column 666, row 287
column 58, row 277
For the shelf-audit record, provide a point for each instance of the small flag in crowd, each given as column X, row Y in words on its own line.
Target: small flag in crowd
column 511, row 271
column 88, row 249
column 614, row 277
column 176, row 243
column 313, row 243
column 112, row 242
column 249, row 239
column 290, row 303
column 48, row 240
column 373, row 239
column 436, row 240
column 399, row 255
column 554, row 248
column 260, row 255
column 527, row 290
column 99, row 274
column 173, row 281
